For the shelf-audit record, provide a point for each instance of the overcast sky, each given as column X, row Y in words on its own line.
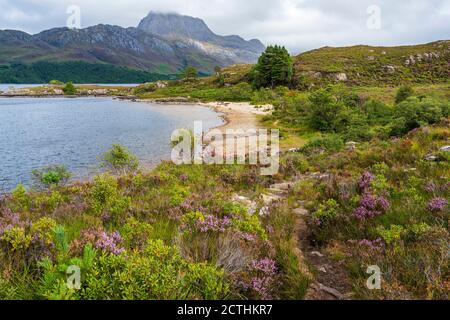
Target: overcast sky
column 298, row 24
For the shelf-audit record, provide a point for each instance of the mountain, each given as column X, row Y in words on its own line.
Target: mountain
column 194, row 33
column 161, row 44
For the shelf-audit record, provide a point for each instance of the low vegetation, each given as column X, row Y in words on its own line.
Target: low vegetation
column 69, row 89
column 371, row 172
column 174, row 233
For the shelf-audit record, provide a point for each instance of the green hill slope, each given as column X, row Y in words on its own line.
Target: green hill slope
column 365, row 65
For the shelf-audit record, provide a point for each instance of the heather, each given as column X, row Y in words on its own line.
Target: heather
column 368, row 185
column 173, row 233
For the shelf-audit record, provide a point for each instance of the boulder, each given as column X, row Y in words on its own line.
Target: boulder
column 285, row 186
column 389, row 69
column 270, row 198
column 161, row 84
column 301, row 212
column 317, row 75
column 264, row 211
column 351, row 145
column 445, row 149
column 341, row 77
column 246, row 202
column 317, row 254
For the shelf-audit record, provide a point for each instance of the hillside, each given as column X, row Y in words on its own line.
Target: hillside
column 366, row 65
column 363, row 66
column 147, row 48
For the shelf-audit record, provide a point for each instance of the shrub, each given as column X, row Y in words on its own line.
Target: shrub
column 261, row 284
column 403, row 93
column 145, row 88
column 190, row 73
column 377, row 112
column 136, row 233
column 206, row 282
column 325, row 111
column 413, row 113
column 240, row 92
column 249, row 224
column 326, row 211
column 331, row 142
column 106, row 242
column 51, row 176
column 196, row 221
column 69, row 89
column 21, row 197
column 55, row 82
column 25, row 243
column 103, row 192
column 159, row 273
column 120, row 159
column 391, row 235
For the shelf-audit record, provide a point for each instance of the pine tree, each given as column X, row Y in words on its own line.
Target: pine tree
column 190, row 73
column 274, row 68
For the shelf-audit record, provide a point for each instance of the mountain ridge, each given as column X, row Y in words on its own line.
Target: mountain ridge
column 133, row 47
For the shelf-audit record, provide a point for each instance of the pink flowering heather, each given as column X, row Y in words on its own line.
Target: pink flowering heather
column 246, row 236
column 9, row 220
column 431, row 187
column 362, row 213
column 369, row 202
column 212, row 223
column 375, row 245
column 267, row 266
column 262, row 287
column 366, row 180
column 269, row 229
column 437, row 204
column 263, row 282
column 107, row 242
column 314, row 222
column 371, row 206
column 383, row 204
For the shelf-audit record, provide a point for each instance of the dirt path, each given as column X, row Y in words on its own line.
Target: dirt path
column 330, row 279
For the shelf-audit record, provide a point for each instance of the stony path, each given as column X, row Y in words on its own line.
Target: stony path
column 330, row 280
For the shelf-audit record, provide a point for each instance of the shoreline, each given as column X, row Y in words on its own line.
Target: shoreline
column 235, row 115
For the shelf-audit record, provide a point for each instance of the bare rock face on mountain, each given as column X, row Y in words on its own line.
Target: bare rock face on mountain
column 174, row 26
column 161, row 43
column 194, row 33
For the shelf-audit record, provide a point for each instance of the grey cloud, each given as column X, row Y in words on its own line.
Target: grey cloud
column 298, row 24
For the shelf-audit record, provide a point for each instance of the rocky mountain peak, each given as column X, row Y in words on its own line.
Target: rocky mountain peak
column 173, row 26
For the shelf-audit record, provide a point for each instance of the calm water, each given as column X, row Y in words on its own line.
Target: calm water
column 5, row 87
column 37, row 132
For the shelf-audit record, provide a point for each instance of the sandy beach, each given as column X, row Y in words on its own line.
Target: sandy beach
column 239, row 115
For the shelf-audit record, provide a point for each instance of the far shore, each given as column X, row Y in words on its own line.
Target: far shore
column 236, row 115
